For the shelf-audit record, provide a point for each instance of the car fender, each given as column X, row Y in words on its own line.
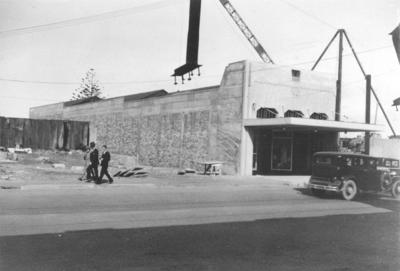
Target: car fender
column 395, row 179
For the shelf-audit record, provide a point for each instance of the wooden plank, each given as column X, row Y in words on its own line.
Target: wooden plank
column 43, row 134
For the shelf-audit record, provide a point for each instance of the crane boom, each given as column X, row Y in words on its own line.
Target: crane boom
column 246, row 31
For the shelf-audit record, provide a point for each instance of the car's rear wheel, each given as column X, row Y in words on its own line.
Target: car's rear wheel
column 396, row 189
column 349, row 190
column 317, row 192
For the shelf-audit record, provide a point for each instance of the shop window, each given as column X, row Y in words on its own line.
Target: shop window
column 282, row 154
column 254, row 161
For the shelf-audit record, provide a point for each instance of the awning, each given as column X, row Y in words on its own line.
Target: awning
column 313, row 124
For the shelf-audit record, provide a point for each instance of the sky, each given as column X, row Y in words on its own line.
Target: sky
column 46, row 46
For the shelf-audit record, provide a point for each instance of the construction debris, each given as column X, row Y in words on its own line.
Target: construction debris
column 12, row 156
column 20, row 150
column 77, row 168
column 135, row 172
column 187, row 171
column 58, row 165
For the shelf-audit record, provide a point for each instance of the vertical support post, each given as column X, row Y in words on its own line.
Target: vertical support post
column 339, row 80
column 246, row 144
column 372, row 89
column 367, row 110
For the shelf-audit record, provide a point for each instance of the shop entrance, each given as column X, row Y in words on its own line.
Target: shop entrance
column 288, row 152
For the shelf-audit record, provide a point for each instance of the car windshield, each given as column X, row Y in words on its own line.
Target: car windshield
column 324, row 160
column 390, row 163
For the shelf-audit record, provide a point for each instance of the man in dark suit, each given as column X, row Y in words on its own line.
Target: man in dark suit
column 94, row 163
column 105, row 159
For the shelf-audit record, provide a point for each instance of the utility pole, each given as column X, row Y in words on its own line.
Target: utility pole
column 341, row 33
column 339, row 80
column 367, row 110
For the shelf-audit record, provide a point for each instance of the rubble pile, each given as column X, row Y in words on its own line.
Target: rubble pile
column 136, row 172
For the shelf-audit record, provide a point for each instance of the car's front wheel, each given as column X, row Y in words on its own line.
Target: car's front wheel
column 396, row 189
column 349, row 190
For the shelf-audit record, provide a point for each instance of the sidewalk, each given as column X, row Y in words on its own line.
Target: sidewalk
column 156, row 181
column 32, row 172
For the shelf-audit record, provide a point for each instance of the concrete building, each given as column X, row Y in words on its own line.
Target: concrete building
column 261, row 119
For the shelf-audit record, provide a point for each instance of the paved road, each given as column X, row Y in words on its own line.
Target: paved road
column 195, row 227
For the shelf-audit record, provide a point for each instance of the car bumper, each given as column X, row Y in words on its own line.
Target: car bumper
column 324, row 187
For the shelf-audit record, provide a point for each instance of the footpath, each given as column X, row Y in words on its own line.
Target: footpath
column 37, row 172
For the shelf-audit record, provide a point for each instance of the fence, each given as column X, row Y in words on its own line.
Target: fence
column 43, row 134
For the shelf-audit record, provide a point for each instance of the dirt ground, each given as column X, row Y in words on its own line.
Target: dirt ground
column 37, row 169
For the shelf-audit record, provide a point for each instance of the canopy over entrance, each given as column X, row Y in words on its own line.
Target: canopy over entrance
column 298, row 124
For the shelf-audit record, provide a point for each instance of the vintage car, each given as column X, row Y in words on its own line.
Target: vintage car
column 349, row 174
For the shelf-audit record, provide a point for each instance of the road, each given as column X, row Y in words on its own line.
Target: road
column 195, row 226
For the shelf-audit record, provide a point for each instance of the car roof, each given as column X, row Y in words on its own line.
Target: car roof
column 350, row 154
column 344, row 154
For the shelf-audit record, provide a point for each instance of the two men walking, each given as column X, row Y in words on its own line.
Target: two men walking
column 92, row 171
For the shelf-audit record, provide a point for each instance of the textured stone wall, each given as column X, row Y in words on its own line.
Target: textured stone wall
column 164, row 140
column 169, row 131
column 51, row 111
column 177, row 130
column 229, row 118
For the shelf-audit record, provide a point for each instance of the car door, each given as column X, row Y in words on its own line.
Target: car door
column 369, row 175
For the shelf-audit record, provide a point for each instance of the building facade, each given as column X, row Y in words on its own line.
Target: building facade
column 261, row 119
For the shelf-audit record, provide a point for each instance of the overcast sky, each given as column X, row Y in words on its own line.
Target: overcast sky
column 134, row 46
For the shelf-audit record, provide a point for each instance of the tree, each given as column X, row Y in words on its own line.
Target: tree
column 89, row 87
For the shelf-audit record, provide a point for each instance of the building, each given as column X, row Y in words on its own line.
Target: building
column 261, row 119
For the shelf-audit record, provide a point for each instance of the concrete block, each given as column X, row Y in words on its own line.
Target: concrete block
column 77, row 168
column 12, row 156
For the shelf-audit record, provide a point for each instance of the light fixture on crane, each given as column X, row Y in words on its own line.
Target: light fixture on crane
column 192, row 48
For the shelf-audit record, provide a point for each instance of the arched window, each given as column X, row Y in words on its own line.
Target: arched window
column 319, row 116
column 266, row 113
column 294, row 114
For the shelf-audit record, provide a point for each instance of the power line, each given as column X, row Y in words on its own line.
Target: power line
column 344, row 55
column 165, row 80
column 329, row 58
column 87, row 19
column 373, row 76
column 28, row 99
column 38, row 82
column 77, row 83
column 234, row 29
column 308, row 14
column 101, row 83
